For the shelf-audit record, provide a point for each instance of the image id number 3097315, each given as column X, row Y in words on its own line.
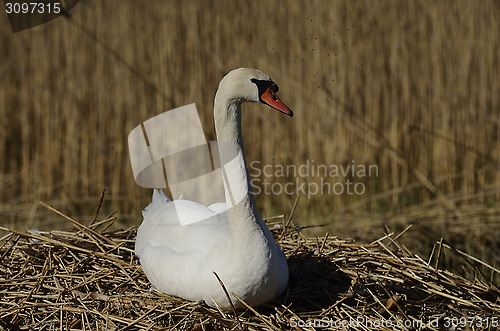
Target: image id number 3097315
column 33, row 7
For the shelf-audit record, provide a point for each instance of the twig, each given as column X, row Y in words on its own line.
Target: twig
column 79, row 225
column 98, row 207
column 229, row 299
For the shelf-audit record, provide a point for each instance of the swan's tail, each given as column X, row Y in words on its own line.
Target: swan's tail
column 159, row 198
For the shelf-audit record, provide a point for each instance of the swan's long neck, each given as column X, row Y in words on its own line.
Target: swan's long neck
column 242, row 211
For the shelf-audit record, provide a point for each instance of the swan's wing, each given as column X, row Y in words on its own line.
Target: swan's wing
column 180, row 225
column 159, row 199
column 219, row 207
column 176, row 212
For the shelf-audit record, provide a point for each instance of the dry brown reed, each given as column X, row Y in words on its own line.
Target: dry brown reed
column 411, row 87
column 89, row 279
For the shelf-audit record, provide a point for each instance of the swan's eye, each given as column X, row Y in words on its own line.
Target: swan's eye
column 264, row 85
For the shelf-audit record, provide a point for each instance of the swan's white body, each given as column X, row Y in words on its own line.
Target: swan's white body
column 229, row 238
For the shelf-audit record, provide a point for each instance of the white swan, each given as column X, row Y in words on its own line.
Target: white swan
column 229, row 239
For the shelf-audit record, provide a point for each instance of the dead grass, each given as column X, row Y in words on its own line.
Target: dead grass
column 89, row 279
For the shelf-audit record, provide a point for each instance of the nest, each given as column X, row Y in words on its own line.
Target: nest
column 90, row 279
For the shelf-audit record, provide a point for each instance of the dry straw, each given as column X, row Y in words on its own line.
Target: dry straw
column 89, row 279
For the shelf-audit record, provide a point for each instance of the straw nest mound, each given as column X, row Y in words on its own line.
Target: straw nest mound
column 90, row 279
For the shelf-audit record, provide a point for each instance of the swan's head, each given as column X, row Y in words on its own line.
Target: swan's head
column 251, row 85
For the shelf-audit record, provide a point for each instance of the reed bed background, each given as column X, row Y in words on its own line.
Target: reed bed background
column 411, row 87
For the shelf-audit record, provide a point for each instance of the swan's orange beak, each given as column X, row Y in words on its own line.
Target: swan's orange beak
column 271, row 99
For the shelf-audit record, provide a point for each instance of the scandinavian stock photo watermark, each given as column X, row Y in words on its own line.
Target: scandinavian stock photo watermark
column 311, row 178
column 186, row 164
column 362, row 322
